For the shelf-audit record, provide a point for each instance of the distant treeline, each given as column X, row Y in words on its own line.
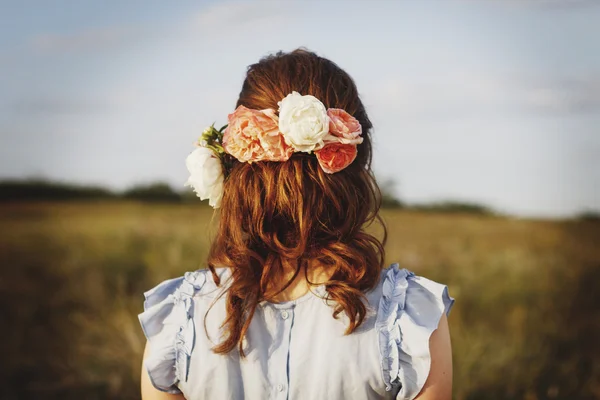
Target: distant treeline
column 29, row 190
column 44, row 190
column 36, row 190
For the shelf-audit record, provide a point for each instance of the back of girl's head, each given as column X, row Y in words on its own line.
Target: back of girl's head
column 279, row 218
column 276, row 76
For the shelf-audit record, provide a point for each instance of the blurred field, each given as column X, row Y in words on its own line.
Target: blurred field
column 526, row 324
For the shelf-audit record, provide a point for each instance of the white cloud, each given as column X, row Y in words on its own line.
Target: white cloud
column 576, row 95
column 454, row 95
column 91, row 39
column 58, row 105
column 544, row 4
column 239, row 18
column 225, row 17
column 460, row 94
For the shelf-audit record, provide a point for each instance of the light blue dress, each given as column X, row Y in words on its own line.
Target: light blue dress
column 295, row 349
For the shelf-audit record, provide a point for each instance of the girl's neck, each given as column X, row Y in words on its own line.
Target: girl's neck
column 299, row 287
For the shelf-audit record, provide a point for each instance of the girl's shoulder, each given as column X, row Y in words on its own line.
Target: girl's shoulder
column 409, row 309
column 196, row 283
column 168, row 323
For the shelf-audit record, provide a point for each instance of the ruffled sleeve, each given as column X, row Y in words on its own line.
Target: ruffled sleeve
column 168, row 323
column 409, row 311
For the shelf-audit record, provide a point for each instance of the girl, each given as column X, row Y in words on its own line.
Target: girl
column 296, row 302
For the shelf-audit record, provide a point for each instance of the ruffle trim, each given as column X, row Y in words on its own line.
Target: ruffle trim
column 168, row 323
column 409, row 311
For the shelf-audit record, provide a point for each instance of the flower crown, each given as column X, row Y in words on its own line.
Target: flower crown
column 303, row 125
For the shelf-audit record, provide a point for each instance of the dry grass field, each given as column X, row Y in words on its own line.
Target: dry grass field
column 526, row 324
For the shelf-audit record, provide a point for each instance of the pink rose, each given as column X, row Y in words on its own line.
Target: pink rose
column 253, row 135
column 340, row 144
column 343, row 127
column 336, row 156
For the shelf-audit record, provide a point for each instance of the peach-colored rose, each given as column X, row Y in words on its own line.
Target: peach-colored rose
column 343, row 127
column 336, row 156
column 253, row 135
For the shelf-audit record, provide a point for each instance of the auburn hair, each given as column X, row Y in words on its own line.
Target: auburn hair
column 278, row 217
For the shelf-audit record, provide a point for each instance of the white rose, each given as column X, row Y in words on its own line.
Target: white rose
column 206, row 175
column 303, row 122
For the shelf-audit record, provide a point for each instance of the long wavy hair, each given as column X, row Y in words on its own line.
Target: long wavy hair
column 279, row 218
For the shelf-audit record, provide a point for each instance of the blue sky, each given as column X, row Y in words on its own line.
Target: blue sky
column 494, row 101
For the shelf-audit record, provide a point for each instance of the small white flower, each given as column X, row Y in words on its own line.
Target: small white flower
column 206, row 175
column 303, row 122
